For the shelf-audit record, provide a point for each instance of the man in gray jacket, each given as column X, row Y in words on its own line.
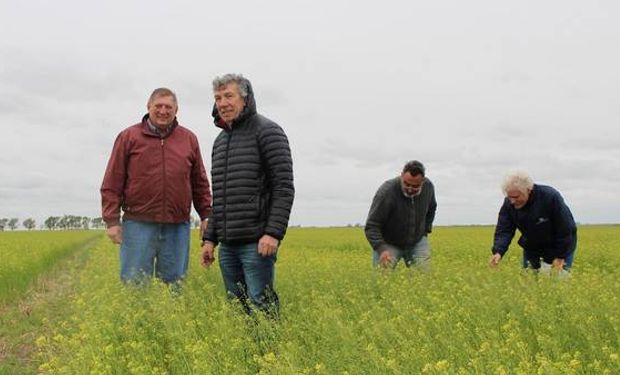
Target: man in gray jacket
column 400, row 218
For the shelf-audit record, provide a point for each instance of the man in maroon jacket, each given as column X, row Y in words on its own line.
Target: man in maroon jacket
column 153, row 175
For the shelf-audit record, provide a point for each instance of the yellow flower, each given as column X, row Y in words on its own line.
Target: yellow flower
column 442, row 365
column 41, row 341
column 270, row 357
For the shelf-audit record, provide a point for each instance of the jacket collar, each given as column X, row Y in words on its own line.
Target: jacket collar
column 153, row 131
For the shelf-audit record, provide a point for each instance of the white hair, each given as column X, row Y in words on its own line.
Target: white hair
column 517, row 180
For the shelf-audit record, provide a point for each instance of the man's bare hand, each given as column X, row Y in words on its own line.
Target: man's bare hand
column 208, row 254
column 267, row 245
column 386, row 259
column 558, row 264
column 115, row 234
column 495, row 259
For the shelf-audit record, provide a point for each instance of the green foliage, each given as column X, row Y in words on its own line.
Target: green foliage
column 29, row 223
column 35, row 313
column 26, row 255
column 13, row 223
column 341, row 316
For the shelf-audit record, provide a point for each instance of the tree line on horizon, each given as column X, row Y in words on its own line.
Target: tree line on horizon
column 65, row 222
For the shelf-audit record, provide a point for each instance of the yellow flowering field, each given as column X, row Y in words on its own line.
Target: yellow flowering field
column 341, row 316
column 26, row 255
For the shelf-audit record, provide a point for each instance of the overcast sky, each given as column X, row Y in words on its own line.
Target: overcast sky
column 470, row 88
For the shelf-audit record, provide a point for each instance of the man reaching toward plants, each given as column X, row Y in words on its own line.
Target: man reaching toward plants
column 401, row 217
column 548, row 230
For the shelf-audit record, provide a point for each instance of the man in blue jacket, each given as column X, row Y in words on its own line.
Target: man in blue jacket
column 547, row 227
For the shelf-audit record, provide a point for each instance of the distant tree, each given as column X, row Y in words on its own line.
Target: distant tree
column 76, row 222
column 61, row 223
column 68, row 222
column 52, row 222
column 3, row 222
column 97, row 222
column 29, row 223
column 13, row 223
column 64, row 222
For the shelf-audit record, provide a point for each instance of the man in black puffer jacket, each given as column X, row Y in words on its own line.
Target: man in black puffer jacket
column 253, row 191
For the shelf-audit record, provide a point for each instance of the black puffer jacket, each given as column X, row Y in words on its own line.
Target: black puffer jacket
column 252, row 179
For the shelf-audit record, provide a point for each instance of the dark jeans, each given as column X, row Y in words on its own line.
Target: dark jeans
column 249, row 276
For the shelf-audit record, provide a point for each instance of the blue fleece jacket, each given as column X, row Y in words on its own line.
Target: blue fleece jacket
column 546, row 224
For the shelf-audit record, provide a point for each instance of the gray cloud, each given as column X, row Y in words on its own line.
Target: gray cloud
column 464, row 87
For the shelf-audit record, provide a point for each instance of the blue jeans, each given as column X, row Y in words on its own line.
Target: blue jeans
column 416, row 255
column 154, row 247
column 249, row 275
column 568, row 261
column 533, row 259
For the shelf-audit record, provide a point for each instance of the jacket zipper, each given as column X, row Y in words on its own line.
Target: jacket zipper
column 225, row 183
column 411, row 216
column 163, row 179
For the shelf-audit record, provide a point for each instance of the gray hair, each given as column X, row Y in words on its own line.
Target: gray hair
column 517, row 180
column 226, row 79
column 162, row 91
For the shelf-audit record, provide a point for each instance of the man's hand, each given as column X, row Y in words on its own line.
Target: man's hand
column 267, row 245
column 203, row 227
column 386, row 259
column 208, row 254
column 495, row 259
column 558, row 264
column 115, row 233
